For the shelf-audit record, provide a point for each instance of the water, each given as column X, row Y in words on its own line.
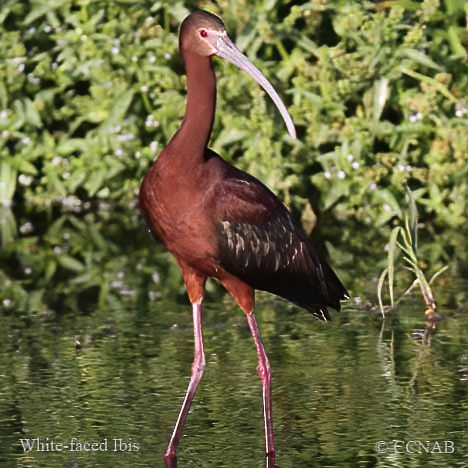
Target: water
column 343, row 392
column 97, row 357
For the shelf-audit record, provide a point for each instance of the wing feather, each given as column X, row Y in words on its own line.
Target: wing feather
column 259, row 243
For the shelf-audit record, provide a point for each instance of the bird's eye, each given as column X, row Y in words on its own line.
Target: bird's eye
column 203, row 33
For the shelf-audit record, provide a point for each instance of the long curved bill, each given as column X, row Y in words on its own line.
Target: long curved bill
column 225, row 48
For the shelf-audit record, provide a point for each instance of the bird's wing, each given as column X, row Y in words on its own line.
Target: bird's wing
column 259, row 244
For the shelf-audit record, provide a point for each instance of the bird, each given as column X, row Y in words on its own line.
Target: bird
column 221, row 222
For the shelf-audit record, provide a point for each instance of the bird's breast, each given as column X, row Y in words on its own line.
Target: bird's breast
column 178, row 214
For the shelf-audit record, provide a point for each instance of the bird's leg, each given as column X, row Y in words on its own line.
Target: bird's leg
column 264, row 373
column 245, row 297
column 195, row 286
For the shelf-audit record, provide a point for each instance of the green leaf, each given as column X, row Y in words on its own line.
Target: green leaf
column 70, row 263
column 31, row 114
column 8, row 229
column 7, row 183
column 119, row 109
column 42, row 10
column 95, row 180
column 70, row 145
column 412, row 219
column 392, row 252
column 27, row 168
column 51, row 268
column 421, row 58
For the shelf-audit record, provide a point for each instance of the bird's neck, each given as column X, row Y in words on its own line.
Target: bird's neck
column 196, row 127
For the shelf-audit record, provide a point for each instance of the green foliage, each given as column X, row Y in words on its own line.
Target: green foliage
column 405, row 240
column 75, row 100
column 91, row 91
column 72, row 260
column 88, row 86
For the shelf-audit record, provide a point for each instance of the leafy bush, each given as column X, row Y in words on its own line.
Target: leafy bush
column 92, row 90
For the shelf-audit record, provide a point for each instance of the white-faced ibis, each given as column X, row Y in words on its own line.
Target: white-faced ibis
column 221, row 222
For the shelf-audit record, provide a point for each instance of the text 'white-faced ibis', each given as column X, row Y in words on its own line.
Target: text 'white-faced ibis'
column 221, row 222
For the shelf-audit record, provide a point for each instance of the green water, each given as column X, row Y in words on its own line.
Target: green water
column 343, row 392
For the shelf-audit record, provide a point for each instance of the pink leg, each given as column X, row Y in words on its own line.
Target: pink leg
column 264, row 373
column 170, row 457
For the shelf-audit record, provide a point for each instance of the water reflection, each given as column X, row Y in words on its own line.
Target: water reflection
column 343, row 393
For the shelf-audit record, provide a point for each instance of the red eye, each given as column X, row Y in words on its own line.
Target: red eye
column 203, row 33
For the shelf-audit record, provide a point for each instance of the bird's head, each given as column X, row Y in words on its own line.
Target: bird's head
column 201, row 32
column 204, row 34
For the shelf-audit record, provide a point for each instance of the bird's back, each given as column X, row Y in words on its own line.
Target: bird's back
column 258, row 243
